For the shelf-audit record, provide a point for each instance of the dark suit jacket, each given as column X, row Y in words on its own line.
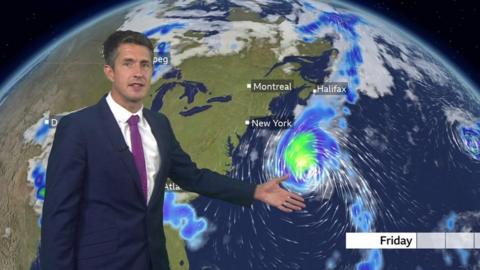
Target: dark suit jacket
column 94, row 213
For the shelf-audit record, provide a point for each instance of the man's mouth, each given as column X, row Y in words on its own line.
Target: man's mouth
column 136, row 84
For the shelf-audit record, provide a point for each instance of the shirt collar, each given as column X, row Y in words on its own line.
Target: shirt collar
column 120, row 113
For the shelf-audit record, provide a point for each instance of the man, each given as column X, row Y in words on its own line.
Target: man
column 107, row 170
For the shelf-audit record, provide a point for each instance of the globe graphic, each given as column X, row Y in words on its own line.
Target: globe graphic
column 397, row 151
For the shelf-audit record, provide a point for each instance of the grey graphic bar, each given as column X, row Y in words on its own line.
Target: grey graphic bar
column 431, row 240
column 419, row 240
column 459, row 240
column 477, row 240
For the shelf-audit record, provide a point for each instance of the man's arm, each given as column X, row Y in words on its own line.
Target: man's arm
column 185, row 173
column 65, row 174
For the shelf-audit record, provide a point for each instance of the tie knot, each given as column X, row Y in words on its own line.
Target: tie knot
column 133, row 120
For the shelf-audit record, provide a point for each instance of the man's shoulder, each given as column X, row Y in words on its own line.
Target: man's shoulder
column 80, row 117
column 157, row 115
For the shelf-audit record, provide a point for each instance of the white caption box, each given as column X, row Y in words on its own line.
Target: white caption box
column 381, row 240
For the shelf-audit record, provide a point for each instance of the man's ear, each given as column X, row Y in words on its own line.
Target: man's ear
column 108, row 70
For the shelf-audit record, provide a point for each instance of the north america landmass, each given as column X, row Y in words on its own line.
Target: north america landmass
column 215, row 83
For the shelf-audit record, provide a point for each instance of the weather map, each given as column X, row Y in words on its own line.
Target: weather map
column 397, row 150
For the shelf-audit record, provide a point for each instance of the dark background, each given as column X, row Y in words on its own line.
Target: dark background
column 447, row 25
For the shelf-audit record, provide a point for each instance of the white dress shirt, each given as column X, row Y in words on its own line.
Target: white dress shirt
column 150, row 148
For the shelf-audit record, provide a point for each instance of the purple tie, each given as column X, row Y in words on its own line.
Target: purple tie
column 137, row 150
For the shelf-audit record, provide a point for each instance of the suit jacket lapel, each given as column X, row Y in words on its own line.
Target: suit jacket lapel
column 159, row 134
column 118, row 142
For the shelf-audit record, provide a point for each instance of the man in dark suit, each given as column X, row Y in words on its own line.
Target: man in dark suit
column 107, row 170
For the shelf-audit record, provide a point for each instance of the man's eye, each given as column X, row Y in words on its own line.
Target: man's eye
column 146, row 65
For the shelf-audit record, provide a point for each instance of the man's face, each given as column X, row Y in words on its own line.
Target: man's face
column 131, row 73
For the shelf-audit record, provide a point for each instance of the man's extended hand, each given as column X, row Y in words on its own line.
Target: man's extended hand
column 271, row 193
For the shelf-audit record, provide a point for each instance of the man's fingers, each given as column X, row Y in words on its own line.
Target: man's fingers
column 296, row 203
column 292, row 206
column 285, row 209
column 282, row 178
column 295, row 196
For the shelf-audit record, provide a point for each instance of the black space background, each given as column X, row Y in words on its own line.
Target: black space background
column 450, row 26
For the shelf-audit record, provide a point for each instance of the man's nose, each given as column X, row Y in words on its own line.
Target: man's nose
column 137, row 71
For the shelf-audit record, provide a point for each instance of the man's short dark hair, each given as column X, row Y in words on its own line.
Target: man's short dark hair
column 110, row 46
